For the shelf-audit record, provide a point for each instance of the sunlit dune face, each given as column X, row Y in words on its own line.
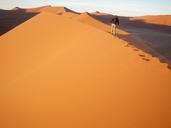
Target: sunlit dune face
column 62, row 72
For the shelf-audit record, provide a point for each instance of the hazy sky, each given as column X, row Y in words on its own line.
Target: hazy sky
column 119, row 7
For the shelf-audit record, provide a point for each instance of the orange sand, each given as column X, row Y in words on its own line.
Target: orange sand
column 59, row 73
column 86, row 18
column 12, row 18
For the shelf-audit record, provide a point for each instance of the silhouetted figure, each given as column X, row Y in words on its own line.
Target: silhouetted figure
column 115, row 22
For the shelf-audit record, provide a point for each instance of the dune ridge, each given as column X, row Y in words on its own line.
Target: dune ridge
column 59, row 75
column 88, row 19
column 92, row 21
column 51, row 9
column 12, row 18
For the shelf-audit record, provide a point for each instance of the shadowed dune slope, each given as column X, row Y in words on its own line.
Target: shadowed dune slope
column 57, row 72
column 154, row 31
column 9, row 19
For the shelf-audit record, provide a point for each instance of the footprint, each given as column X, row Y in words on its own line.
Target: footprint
column 146, row 59
column 127, row 45
column 136, row 49
column 141, row 55
column 169, row 67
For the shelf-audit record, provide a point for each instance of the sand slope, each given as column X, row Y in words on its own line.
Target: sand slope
column 155, row 33
column 70, row 15
column 9, row 19
column 88, row 19
column 92, row 21
column 57, row 72
column 103, row 17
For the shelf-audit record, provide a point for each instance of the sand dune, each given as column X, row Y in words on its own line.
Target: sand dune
column 9, row 19
column 161, row 19
column 157, row 36
column 91, row 20
column 56, row 10
column 103, row 17
column 88, row 19
column 58, row 72
column 70, row 15
column 99, row 13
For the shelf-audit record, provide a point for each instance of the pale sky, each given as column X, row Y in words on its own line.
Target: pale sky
column 118, row 7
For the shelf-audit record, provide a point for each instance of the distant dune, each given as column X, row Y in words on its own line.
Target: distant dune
column 103, row 17
column 60, row 72
column 9, row 19
column 56, row 10
column 161, row 19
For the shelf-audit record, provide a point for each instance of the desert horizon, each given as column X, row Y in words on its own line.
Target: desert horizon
column 64, row 68
column 61, row 6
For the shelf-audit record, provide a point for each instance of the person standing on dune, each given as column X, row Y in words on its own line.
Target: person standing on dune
column 115, row 22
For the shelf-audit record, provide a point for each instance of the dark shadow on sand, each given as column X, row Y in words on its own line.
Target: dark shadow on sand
column 138, row 44
column 147, row 43
column 9, row 19
column 126, row 22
